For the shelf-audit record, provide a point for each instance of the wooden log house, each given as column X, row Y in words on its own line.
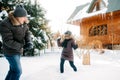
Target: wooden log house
column 99, row 24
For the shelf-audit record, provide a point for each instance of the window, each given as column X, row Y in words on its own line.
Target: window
column 98, row 30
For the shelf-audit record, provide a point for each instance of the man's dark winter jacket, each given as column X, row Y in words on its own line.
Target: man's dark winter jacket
column 14, row 35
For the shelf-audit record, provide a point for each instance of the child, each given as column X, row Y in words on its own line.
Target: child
column 67, row 53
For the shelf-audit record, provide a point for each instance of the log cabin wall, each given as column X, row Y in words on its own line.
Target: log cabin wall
column 110, row 20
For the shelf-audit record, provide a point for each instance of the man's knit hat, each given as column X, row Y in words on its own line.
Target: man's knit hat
column 20, row 11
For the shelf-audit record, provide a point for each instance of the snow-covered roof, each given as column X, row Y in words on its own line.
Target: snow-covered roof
column 111, row 5
column 77, row 10
column 83, row 14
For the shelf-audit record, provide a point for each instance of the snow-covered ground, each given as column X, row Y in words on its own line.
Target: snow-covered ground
column 46, row 67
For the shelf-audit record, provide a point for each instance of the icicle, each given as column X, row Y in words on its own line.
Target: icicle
column 103, row 17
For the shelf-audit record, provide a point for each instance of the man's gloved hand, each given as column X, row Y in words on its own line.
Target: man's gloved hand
column 28, row 46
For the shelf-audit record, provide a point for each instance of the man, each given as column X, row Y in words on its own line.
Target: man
column 15, row 34
column 68, row 45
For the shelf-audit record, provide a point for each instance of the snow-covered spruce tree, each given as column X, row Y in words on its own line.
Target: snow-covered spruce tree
column 5, row 7
column 37, row 25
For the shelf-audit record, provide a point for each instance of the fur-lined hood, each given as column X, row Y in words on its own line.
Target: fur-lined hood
column 14, row 20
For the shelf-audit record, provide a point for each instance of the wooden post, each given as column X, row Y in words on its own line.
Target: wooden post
column 86, row 59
